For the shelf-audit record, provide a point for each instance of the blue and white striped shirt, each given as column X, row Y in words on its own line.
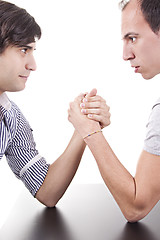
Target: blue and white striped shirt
column 17, row 144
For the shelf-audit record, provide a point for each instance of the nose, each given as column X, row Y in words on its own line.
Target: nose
column 31, row 64
column 127, row 52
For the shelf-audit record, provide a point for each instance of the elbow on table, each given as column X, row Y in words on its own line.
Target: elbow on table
column 47, row 200
column 135, row 214
column 133, row 217
column 50, row 203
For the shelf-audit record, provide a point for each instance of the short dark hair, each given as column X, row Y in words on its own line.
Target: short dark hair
column 17, row 26
column 151, row 13
column 150, row 10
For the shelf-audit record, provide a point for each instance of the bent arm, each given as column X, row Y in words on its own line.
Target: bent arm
column 61, row 172
column 135, row 196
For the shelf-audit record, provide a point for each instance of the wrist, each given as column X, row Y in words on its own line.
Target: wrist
column 77, row 135
column 92, row 133
column 90, row 129
column 94, row 139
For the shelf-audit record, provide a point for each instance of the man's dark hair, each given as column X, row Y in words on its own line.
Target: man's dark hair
column 150, row 10
column 151, row 13
column 17, row 26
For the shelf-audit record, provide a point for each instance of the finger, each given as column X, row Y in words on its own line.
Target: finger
column 100, row 119
column 85, row 93
column 97, row 113
column 87, row 105
column 94, row 99
column 92, row 93
column 91, row 111
column 80, row 97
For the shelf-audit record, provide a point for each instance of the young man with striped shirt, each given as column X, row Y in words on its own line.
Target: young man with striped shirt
column 18, row 35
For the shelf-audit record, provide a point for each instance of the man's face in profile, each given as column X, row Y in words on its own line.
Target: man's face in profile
column 141, row 44
column 16, row 63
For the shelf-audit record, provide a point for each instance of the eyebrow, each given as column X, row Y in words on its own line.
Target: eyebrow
column 130, row 33
column 28, row 47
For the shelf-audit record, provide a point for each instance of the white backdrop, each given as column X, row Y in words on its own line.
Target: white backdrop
column 81, row 48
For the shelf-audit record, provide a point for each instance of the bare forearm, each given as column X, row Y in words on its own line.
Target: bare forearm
column 61, row 172
column 118, row 180
column 135, row 196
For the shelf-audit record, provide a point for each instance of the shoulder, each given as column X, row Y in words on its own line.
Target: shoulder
column 152, row 140
column 154, row 118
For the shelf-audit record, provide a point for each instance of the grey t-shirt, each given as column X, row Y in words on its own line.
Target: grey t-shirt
column 152, row 141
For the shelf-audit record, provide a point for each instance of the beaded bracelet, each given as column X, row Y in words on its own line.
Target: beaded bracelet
column 92, row 133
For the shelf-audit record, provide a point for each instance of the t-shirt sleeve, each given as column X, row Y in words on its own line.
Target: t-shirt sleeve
column 24, row 159
column 152, row 140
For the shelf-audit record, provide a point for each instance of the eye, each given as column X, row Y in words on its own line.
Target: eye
column 24, row 50
column 132, row 39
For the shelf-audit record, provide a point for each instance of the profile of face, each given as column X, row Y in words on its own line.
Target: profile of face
column 16, row 63
column 141, row 46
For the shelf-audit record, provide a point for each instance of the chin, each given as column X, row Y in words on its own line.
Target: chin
column 148, row 77
column 18, row 89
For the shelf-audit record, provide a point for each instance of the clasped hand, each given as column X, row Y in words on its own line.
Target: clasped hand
column 89, row 112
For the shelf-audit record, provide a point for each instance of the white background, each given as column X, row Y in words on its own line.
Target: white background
column 80, row 49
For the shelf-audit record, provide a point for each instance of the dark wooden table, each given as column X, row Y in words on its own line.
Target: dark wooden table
column 86, row 212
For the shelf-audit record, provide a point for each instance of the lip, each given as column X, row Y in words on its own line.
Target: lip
column 24, row 77
column 136, row 68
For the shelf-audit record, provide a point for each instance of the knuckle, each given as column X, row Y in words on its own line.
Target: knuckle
column 78, row 98
column 71, row 105
column 87, row 105
column 103, row 100
column 81, row 95
column 109, row 121
column 99, row 104
column 84, row 111
column 101, row 119
column 100, row 112
column 99, row 98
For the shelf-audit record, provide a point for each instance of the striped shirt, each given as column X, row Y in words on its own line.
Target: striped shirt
column 17, row 144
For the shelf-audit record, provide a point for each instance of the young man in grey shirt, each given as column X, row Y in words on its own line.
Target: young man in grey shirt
column 136, row 196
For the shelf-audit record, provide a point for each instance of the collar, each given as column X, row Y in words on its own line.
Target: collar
column 5, row 102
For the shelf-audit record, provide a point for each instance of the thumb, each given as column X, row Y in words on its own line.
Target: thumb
column 92, row 93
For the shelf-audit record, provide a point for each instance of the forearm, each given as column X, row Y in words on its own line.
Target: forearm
column 135, row 196
column 61, row 172
column 118, row 180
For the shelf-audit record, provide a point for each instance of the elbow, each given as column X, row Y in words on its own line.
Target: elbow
column 133, row 218
column 136, row 209
column 49, row 204
column 134, row 215
column 48, row 201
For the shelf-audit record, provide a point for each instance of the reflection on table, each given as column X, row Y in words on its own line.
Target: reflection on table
column 85, row 212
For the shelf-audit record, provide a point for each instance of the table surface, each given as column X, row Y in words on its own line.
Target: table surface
column 86, row 212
